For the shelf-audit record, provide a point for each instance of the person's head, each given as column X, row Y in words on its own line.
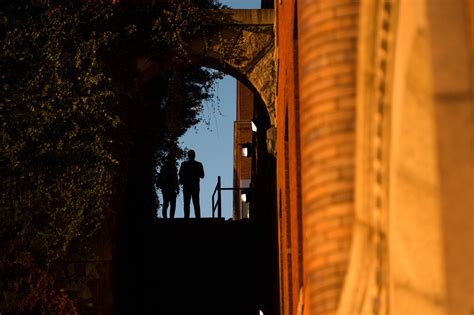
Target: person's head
column 191, row 155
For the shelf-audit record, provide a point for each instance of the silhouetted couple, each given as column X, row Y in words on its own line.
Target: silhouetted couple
column 190, row 174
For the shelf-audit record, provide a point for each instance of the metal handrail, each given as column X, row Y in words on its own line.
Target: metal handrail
column 217, row 203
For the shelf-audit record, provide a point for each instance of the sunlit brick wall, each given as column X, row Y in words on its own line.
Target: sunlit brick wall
column 327, row 71
column 288, row 159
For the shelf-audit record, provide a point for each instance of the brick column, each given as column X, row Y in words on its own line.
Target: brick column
column 327, row 67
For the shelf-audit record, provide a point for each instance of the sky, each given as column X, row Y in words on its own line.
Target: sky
column 213, row 143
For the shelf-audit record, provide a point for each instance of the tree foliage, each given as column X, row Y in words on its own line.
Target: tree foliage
column 70, row 105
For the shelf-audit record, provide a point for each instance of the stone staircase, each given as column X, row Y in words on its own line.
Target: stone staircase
column 197, row 266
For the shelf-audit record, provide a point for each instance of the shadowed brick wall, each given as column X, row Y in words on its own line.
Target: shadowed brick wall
column 242, row 135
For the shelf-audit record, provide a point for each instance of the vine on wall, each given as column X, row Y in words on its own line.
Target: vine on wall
column 68, row 96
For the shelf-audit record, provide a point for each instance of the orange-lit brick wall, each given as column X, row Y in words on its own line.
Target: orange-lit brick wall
column 328, row 41
column 288, row 159
column 316, row 57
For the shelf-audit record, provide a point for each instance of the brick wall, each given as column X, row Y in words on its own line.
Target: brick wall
column 242, row 134
column 245, row 103
column 327, row 70
column 288, row 159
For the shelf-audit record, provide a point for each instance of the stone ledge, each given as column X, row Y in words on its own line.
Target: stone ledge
column 250, row 16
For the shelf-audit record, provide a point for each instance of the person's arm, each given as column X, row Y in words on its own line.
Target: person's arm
column 202, row 171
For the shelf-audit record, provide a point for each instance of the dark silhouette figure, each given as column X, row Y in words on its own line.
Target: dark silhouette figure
column 167, row 181
column 190, row 173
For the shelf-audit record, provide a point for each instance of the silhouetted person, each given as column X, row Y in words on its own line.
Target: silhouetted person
column 190, row 173
column 168, row 183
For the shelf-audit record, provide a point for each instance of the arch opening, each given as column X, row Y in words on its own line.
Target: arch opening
column 249, row 243
column 246, row 260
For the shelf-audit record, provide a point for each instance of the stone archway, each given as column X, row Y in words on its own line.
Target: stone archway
column 242, row 47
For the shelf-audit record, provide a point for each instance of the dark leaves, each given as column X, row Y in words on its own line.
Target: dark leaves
column 68, row 111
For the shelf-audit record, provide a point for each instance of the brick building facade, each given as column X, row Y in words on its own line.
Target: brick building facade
column 243, row 149
column 374, row 156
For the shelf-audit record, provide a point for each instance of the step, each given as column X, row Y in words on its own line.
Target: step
column 195, row 266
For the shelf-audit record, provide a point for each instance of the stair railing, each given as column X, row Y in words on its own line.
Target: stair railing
column 216, row 204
